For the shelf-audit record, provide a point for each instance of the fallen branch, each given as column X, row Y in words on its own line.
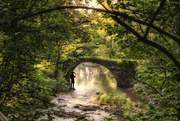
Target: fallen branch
column 3, row 117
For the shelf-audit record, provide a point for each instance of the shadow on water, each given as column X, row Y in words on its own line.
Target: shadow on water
column 90, row 80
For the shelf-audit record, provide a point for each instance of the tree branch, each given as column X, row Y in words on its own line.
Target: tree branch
column 103, row 5
column 146, row 41
column 125, row 16
column 144, row 23
column 31, row 7
column 3, row 117
column 153, row 88
column 155, row 14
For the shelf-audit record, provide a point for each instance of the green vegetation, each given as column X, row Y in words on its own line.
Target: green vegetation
column 38, row 36
column 107, row 119
column 113, row 100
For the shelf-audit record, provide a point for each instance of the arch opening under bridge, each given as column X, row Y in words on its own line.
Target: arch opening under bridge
column 124, row 72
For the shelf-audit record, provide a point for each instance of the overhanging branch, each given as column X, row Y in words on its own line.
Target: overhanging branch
column 142, row 39
column 155, row 14
column 125, row 16
column 146, row 41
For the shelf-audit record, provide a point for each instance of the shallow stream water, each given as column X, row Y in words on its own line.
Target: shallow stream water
column 90, row 80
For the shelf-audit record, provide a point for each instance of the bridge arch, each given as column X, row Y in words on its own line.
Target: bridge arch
column 123, row 72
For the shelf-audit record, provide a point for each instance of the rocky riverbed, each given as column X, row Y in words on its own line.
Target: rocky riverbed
column 74, row 105
column 78, row 104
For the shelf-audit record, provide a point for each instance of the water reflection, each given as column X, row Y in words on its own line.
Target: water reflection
column 92, row 78
column 89, row 75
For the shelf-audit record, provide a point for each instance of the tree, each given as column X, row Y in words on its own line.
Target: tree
column 128, row 6
column 151, row 29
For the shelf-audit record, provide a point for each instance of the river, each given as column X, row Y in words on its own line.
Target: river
column 90, row 81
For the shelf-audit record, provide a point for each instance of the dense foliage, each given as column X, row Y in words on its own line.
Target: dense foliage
column 36, row 36
column 31, row 56
column 157, row 78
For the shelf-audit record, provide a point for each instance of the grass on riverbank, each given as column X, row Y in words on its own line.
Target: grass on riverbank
column 119, row 103
column 113, row 100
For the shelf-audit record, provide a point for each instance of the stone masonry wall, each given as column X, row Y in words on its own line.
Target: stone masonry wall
column 123, row 72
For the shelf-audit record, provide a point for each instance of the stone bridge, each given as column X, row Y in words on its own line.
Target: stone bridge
column 124, row 72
